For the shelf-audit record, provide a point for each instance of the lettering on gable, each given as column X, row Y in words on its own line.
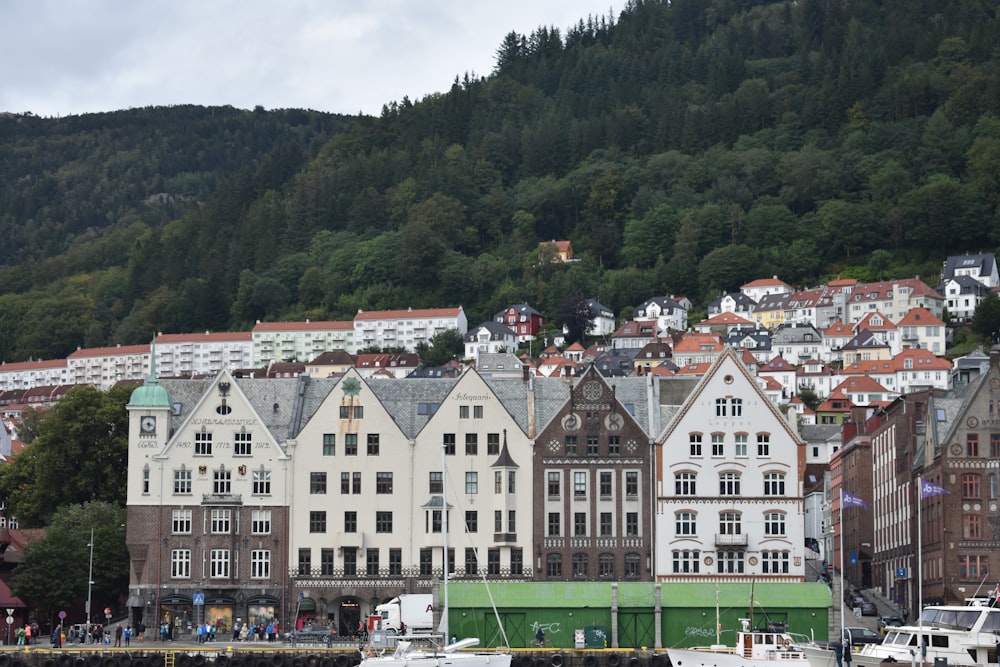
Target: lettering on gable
column 462, row 396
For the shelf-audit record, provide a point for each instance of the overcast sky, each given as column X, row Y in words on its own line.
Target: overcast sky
column 65, row 57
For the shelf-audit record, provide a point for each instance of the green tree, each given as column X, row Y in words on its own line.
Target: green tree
column 80, row 454
column 986, row 321
column 725, row 269
column 444, row 347
column 54, row 572
column 576, row 315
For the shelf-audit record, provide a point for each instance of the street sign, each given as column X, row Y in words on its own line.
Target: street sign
column 107, row 611
column 10, row 620
column 198, row 599
column 10, row 612
column 62, row 614
column 900, row 573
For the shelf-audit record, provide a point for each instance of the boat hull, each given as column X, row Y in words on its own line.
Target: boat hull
column 693, row 658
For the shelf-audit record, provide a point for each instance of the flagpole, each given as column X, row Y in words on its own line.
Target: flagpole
column 920, row 570
column 842, row 590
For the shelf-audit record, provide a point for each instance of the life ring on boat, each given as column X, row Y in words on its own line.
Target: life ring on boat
column 787, row 643
column 556, row 660
column 614, row 660
column 589, row 661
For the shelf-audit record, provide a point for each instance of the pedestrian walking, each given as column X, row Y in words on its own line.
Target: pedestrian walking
column 118, row 635
column 128, row 634
column 540, row 637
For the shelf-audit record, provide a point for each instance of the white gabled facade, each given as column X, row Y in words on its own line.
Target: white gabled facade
column 729, row 500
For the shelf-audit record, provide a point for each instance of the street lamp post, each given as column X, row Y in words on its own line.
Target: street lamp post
column 90, row 579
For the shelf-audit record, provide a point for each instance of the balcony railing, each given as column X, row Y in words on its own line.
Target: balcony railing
column 731, row 540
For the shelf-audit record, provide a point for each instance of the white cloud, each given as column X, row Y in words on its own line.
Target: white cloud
column 77, row 56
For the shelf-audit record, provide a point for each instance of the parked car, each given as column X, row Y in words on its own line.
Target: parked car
column 869, row 609
column 311, row 634
column 861, row 636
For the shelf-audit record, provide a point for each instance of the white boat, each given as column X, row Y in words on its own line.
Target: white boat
column 418, row 650
column 960, row 634
column 753, row 647
column 421, row 650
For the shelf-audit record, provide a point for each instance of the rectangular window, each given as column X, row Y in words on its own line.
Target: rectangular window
column 511, row 481
column 492, row 444
column 436, row 483
column 593, row 445
column 718, row 445
column 356, row 483
column 463, row 412
column 242, row 444
column 580, row 524
column 972, row 444
column 686, row 562
column 554, row 524
column 471, row 444
column 358, row 411
column 471, row 482
column 741, row 445
column 764, row 445
column 554, row 486
column 774, row 562
column 730, row 523
column 720, row 407
column 774, row 484
column 305, row 562
column 774, row 524
column 317, row 521
column 631, row 484
column 373, row 444
column 493, row 561
column 383, row 522
column 260, row 564
column 435, row 517
column 326, row 562
column 449, row 443
column 736, row 407
column 426, row 561
column 345, row 483
column 181, row 523
column 202, row 443
column 995, row 445
column 606, row 525
column 516, row 561
column 471, row 566
column 684, row 484
column 260, row 522
column 579, row 484
column 614, row 445
column 329, row 444
column 261, row 485
column 729, row 484
column 498, row 482
column 730, row 562
column 685, row 523
column 180, row 563
column 511, row 521
column 350, row 561
column 350, row 444
column 632, row 524
column 477, row 412
column 973, row 568
column 317, row 483
column 605, row 483
column 383, row 483
column 570, row 445
column 350, row 522
column 371, row 562
column 221, row 522
column 694, row 444
column 395, row 562
column 222, row 482
column 471, row 521
column 971, row 486
column 972, row 527
column 497, row 521
column 219, row 563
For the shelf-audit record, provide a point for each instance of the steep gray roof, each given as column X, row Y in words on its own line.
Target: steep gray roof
column 401, row 398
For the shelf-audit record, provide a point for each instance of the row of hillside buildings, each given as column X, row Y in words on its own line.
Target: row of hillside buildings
column 320, row 497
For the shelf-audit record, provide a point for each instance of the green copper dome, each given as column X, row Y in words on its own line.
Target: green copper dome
column 150, row 394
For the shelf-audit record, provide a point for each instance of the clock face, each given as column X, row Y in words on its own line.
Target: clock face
column 148, row 424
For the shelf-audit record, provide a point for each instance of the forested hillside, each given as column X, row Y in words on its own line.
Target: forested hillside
column 684, row 148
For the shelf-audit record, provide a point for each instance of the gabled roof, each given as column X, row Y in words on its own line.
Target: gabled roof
column 727, row 319
column 838, row 329
column 522, row 308
column 496, row 330
column 982, row 262
column 333, row 358
column 865, row 339
column 664, row 302
column 835, row 396
column 862, row 383
column 875, row 322
column 766, row 282
column 770, row 302
column 692, row 342
column 636, row 329
column 777, row 365
column 921, row 317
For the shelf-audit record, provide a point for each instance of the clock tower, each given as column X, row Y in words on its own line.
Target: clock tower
column 149, row 409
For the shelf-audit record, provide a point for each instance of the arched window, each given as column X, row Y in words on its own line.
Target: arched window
column 580, row 565
column 606, row 566
column 553, row 566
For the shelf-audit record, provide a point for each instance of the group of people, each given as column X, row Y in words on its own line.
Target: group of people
column 254, row 632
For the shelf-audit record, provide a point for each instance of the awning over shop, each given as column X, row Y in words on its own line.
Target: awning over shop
column 307, row 604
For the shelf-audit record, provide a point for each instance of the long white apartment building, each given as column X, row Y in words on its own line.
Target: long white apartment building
column 209, row 353
column 406, row 328
column 300, row 341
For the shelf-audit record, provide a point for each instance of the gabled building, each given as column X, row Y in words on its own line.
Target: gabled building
column 723, row 323
column 797, row 342
column 862, row 390
column 882, row 328
column 758, row 289
column 981, row 267
column 489, row 338
column 835, row 337
column 770, row 311
column 651, row 356
column 865, row 346
column 393, row 365
column 733, row 302
column 756, row 341
column 816, row 376
column 557, row 251
column 962, row 295
column 668, row 313
column 634, row 334
column 591, row 481
column 330, row 364
column 729, row 502
column 920, row 328
column 697, row 348
column 835, row 409
column 521, row 318
column 782, row 372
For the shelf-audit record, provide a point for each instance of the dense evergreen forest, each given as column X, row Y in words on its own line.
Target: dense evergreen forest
column 683, row 147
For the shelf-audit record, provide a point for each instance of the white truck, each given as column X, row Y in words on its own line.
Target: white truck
column 416, row 610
